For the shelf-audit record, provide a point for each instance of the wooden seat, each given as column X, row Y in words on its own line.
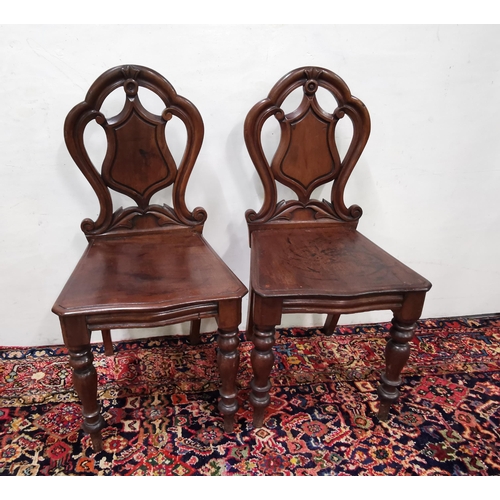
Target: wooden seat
column 307, row 256
column 146, row 265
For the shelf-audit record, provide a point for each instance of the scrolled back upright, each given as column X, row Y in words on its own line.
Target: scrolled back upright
column 138, row 161
column 307, row 154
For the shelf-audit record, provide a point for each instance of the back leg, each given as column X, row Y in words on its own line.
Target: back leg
column 194, row 332
column 108, row 344
column 331, row 323
column 249, row 330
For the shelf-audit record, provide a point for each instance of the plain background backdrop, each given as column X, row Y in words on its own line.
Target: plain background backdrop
column 428, row 181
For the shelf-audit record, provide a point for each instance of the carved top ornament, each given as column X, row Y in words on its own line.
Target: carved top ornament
column 138, row 161
column 307, row 155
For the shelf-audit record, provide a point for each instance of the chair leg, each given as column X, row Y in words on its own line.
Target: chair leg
column 108, row 344
column 331, row 323
column 397, row 351
column 194, row 332
column 85, row 382
column 77, row 339
column 228, row 359
column 262, row 358
column 266, row 314
column 250, row 324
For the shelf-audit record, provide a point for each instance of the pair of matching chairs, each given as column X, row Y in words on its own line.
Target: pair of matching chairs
column 149, row 265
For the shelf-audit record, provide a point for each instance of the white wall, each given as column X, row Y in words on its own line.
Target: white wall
column 428, row 182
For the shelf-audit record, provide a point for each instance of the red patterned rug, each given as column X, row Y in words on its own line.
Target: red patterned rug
column 159, row 398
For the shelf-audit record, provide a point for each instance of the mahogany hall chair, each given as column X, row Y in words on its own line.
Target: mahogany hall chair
column 147, row 265
column 307, row 255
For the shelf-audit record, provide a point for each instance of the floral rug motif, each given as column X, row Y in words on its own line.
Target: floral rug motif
column 159, row 398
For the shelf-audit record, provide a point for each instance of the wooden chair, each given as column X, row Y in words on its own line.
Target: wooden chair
column 307, row 255
column 146, row 265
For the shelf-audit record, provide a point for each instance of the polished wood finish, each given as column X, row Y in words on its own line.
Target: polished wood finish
column 307, row 255
column 145, row 265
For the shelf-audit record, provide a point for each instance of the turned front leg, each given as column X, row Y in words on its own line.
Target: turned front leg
column 397, row 350
column 85, row 382
column 77, row 339
column 228, row 359
column 266, row 314
column 397, row 353
column 262, row 358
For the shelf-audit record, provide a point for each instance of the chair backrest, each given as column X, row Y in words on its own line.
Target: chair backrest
column 307, row 155
column 138, row 161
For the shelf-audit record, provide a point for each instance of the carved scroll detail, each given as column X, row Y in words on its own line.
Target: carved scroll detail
column 313, row 210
